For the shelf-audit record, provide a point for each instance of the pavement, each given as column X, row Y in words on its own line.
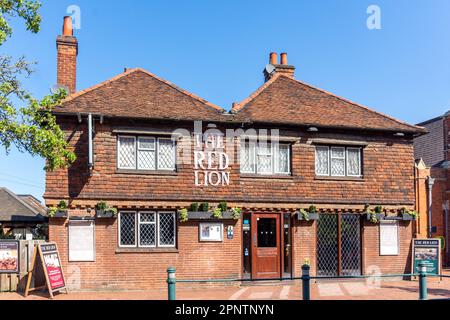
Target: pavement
column 285, row 290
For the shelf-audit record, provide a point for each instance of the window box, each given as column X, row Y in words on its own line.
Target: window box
column 60, row 214
column 379, row 216
column 311, row 216
column 408, row 217
column 208, row 215
column 105, row 214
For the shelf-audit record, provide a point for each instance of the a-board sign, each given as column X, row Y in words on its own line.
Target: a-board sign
column 9, row 256
column 46, row 259
column 427, row 251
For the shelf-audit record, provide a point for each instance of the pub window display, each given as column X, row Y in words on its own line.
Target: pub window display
column 265, row 158
column 145, row 153
column 147, row 229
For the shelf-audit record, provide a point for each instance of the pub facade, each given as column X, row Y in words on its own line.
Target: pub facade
column 291, row 175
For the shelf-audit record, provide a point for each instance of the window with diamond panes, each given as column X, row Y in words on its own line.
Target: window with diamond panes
column 126, row 152
column 127, row 229
column 166, row 229
column 265, row 158
column 146, row 153
column 338, row 161
column 147, row 229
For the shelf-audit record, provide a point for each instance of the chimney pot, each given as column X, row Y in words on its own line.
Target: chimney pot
column 67, row 26
column 283, row 58
column 273, row 58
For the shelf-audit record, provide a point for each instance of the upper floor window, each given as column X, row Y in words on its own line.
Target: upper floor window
column 338, row 161
column 145, row 153
column 265, row 159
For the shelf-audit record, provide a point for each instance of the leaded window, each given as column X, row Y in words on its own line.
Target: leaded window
column 147, row 229
column 145, row 153
column 265, row 158
column 338, row 161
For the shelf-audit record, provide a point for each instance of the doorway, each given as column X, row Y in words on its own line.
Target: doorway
column 338, row 245
column 266, row 259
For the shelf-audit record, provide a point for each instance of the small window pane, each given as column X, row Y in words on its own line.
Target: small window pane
column 282, row 157
column 166, row 154
column 353, row 162
column 248, row 157
column 146, row 160
column 338, row 161
column 145, row 143
column 167, row 229
column 147, row 235
column 127, row 229
column 322, row 161
column 147, row 217
column 126, row 153
column 264, row 159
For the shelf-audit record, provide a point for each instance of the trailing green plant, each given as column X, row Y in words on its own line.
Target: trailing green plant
column 204, row 206
column 378, row 209
column 312, row 209
column 194, row 207
column 103, row 206
column 412, row 213
column 305, row 214
column 236, row 213
column 223, row 206
column 62, row 205
column 52, row 211
column 183, row 215
column 217, row 213
column 373, row 214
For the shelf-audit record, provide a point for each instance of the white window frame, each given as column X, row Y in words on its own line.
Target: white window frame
column 118, row 152
column 138, row 149
column 174, row 231
column 330, row 159
column 359, row 161
column 272, row 151
column 139, row 229
column 338, row 158
column 328, row 162
column 120, row 229
column 157, row 155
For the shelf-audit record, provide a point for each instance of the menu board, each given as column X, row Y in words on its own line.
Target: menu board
column 388, row 238
column 211, row 232
column 9, row 256
column 52, row 265
column 427, row 251
column 81, row 240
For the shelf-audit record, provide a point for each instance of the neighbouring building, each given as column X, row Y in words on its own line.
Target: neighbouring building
column 150, row 150
column 433, row 149
column 21, row 216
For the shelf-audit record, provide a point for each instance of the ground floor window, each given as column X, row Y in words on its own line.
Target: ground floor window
column 338, row 244
column 147, row 229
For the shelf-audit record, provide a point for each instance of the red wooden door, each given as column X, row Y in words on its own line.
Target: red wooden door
column 266, row 246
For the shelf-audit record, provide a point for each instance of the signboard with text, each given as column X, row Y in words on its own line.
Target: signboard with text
column 9, row 256
column 427, row 251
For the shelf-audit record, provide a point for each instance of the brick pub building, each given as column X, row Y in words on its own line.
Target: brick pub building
column 331, row 153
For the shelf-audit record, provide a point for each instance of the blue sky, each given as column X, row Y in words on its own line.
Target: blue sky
column 217, row 49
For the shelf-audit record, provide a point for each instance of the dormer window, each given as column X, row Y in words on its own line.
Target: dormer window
column 145, row 153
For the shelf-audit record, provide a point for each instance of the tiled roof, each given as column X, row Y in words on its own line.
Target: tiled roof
column 288, row 101
column 137, row 93
column 16, row 208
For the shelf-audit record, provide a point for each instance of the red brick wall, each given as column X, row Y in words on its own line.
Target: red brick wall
column 67, row 62
column 143, row 270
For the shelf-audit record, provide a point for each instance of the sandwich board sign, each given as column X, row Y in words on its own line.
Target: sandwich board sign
column 46, row 260
column 427, row 251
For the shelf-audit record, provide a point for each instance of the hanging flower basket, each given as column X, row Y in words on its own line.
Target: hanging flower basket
column 310, row 217
column 105, row 214
column 59, row 214
column 375, row 216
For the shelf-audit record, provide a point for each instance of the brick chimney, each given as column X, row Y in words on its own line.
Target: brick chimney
column 67, row 48
column 281, row 68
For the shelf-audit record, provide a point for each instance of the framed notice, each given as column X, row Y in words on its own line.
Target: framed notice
column 211, row 232
column 389, row 238
column 9, row 256
column 81, row 240
column 427, row 251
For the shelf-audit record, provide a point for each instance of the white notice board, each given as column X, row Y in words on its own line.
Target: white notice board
column 388, row 238
column 81, row 240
